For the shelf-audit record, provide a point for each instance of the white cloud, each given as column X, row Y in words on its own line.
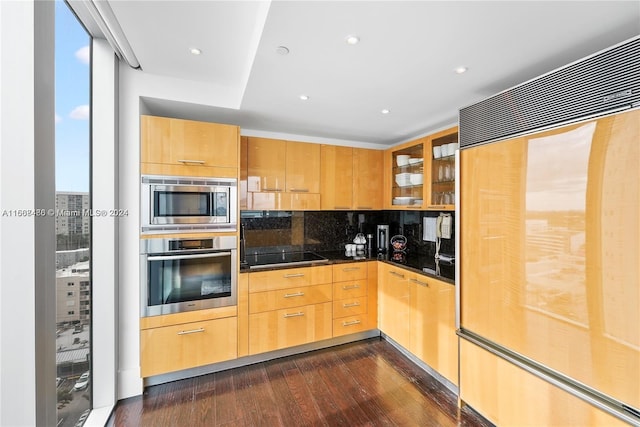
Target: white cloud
column 58, row 118
column 81, row 112
column 83, row 55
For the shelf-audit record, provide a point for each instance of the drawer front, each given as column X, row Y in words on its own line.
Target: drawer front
column 349, row 289
column 349, row 307
column 287, row 298
column 289, row 278
column 350, row 325
column 172, row 348
column 349, row 271
column 273, row 330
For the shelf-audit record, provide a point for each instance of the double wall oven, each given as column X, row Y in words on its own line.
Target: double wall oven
column 180, row 272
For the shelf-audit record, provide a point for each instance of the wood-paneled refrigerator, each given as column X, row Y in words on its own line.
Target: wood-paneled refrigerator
column 548, row 292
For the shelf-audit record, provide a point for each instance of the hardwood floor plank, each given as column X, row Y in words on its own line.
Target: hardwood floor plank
column 295, row 401
column 367, row 383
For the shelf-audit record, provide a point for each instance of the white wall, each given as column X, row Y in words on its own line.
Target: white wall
column 27, row 389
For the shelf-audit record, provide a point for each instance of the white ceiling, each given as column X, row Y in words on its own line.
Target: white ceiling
column 404, row 61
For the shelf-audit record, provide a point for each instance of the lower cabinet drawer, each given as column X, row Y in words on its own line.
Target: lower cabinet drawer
column 273, row 330
column 287, row 298
column 350, row 289
column 350, row 325
column 349, row 307
column 172, row 348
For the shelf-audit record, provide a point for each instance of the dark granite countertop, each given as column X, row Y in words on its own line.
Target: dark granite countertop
column 418, row 263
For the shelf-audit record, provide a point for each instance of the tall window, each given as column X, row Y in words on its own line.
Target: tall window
column 73, row 218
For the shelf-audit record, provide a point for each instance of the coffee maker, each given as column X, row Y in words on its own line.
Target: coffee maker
column 382, row 238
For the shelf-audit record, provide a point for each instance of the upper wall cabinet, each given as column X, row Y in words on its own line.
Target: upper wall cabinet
column 188, row 148
column 336, row 177
column 443, row 170
column 266, row 162
column 405, row 170
column 367, row 178
column 421, row 174
column 282, row 175
column 350, row 178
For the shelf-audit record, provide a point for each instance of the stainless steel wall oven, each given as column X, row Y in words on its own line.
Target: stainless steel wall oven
column 187, row 274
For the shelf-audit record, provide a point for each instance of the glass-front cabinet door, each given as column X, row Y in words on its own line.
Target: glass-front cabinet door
column 407, row 176
column 443, row 170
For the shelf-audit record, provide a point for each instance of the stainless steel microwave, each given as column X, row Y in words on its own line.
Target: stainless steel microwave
column 185, row 204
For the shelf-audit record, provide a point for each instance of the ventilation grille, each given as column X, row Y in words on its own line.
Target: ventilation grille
column 172, row 180
column 606, row 81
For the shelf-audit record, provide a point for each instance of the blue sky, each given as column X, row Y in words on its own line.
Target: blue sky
column 72, row 85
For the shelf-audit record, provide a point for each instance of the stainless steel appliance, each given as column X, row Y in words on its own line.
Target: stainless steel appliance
column 548, row 217
column 382, row 238
column 187, row 274
column 178, row 203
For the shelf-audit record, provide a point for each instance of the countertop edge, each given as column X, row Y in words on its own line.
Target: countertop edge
column 332, row 261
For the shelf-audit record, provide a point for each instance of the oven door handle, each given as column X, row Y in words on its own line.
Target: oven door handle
column 187, row 256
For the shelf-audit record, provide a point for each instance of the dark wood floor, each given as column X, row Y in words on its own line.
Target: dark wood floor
column 368, row 383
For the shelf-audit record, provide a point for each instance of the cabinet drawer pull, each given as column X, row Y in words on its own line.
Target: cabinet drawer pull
column 195, row 162
column 351, row 304
column 192, row 331
column 413, row 206
column 351, row 269
column 298, row 314
column 351, row 323
column 397, row 274
column 347, row 287
column 271, row 189
column 291, row 276
column 299, row 190
column 420, row 283
column 341, row 207
column 364, row 207
column 295, row 294
column 437, row 206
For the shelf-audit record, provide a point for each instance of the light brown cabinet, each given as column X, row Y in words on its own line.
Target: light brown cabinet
column 354, row 297
column 394, row 303
column 282, row 175
column 289, row 307
column 419, row 178
column 405, row 170
column 442, row 178
column 367, row 178
column 351, row 178
column 188, row 148
column 418, row 313
column 336, row 177
column 508, row 395
column 187, row 340
column 433, row 336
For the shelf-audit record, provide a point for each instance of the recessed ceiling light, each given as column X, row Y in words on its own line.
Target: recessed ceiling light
column 195, row 51
column 385, row 111
column 352, row 39
column 282, row 50
column 460, row 70
column 304, row 97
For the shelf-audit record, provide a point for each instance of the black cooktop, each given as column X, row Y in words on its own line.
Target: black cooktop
column 283, row 258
